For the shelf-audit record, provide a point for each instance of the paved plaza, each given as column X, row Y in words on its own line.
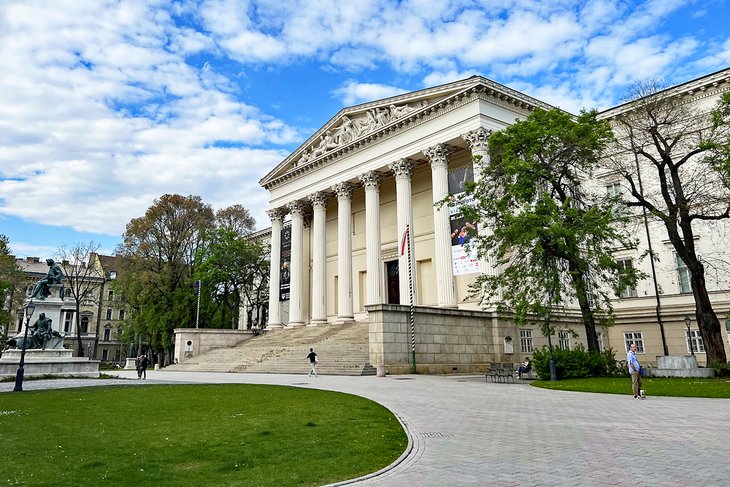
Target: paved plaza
column 464, row 431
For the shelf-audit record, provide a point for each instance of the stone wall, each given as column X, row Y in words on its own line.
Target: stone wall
column 190, row 342
column 448, row 341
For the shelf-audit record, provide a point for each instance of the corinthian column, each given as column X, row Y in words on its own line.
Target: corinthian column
column 276, row 216
column 371, row 182
column 319, row 279
column 402, row 169
column 296, row 315
column 344, row 253
column 478, row 141
column 438, row 156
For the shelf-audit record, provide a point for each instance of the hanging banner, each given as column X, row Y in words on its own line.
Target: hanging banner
column 464, row 261
column 285, row 270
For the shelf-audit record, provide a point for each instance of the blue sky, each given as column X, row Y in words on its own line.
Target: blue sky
column 105, row 106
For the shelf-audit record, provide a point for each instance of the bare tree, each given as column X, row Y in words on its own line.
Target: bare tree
column 82, row 279
column 665, row 144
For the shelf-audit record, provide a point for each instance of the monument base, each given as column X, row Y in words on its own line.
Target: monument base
column 678, row 366
column 56, row 362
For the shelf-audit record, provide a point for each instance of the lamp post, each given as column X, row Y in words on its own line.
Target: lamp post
column 29, row 309
column 687, row 323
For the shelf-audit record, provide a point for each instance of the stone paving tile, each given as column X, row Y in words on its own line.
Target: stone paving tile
column 467, row 432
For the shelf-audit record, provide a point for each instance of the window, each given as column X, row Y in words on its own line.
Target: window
column 683, row 276
column 121, row 314
column 563, row 339
column 84, row 324
column 526, row 341
column 104, row 355
column 698, row 345
column 112, row 275
column 613, row 190
column 107, row 334
column 636, row 337
column 624, row 266
column 68, row 321
column 108, row 313
column 601, row 343
column 110, row 295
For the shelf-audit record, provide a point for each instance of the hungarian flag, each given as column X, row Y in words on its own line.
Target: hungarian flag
column 403, row 242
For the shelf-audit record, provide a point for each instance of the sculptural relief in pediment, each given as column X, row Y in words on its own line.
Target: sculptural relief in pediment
column 353, row 127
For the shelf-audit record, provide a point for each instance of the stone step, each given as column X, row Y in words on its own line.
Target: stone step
column 343, row 350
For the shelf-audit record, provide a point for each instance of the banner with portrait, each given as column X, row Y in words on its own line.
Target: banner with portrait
column 285, row 269
column 464, row 260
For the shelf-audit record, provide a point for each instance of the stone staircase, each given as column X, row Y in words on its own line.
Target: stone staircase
column 342, row 350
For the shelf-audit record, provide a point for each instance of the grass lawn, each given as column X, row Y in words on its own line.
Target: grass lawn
column 196, row 435
column 654, row 386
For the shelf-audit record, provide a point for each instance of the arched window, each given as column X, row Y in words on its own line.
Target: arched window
column 84, row 324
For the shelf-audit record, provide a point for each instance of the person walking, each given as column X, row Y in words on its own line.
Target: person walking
column 312, row 363
column 143, row 363
column 634, row 370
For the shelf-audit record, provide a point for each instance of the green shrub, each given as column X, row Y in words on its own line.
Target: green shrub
column 722, row 370
column 576, row 363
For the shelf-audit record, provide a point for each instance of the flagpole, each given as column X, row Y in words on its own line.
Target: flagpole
column 197, row 309
column 412, row 306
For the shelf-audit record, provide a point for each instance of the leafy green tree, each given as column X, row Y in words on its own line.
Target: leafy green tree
column 11, row 286
column 229, row 270
column 675, row 159
column 551, row 237
column 160, row 248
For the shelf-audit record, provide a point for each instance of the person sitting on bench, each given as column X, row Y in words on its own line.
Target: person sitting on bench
column 526, row 366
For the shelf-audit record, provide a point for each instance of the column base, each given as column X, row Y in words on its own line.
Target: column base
column 345, row 320
column 274, row 326
column 448, row 306
column 317, row 322
column 294, row 324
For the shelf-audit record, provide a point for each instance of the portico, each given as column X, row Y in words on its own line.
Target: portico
column 370, row 172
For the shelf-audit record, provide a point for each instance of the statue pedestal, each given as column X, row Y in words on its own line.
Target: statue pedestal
column 678, row 366
column 53, row 359
column 52, row 307
column 39, row 362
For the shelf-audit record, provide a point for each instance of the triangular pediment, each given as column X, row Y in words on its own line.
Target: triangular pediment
column 359, row 124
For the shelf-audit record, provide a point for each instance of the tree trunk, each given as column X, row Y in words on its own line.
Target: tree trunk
column 589, row 322
column 707, row 320
column 78, row 331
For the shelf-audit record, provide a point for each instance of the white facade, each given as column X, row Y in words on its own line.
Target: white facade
column 373, row 170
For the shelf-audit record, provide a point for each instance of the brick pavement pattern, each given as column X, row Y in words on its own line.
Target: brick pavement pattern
column 465, row 432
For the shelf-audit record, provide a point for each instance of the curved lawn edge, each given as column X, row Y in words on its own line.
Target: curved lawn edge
column 410, row 448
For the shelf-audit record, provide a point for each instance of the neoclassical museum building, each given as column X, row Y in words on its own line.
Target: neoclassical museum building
column 342, row 203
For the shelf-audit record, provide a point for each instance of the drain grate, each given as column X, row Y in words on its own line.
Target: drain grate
column 436, row 434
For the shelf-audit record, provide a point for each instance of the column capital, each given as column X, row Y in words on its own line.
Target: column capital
column 318, row 199
column 438, row 154
column 296, row 208
column 276, row 214
column 477, row 139
column 343, row 190
column 371, row 179
column 402, row 168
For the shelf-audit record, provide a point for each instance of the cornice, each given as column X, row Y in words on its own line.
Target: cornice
column 691, row 91
column 471, row 89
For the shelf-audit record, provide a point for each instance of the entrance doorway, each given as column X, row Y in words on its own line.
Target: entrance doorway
column 392, row 282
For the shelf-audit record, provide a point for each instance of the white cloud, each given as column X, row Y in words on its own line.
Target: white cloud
column 352, row 92
column 100, row 115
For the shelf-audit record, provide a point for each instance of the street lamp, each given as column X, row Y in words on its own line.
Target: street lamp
column 687, row 322
column 29, row 309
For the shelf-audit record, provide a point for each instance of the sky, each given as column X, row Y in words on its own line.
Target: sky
column 107, row 105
